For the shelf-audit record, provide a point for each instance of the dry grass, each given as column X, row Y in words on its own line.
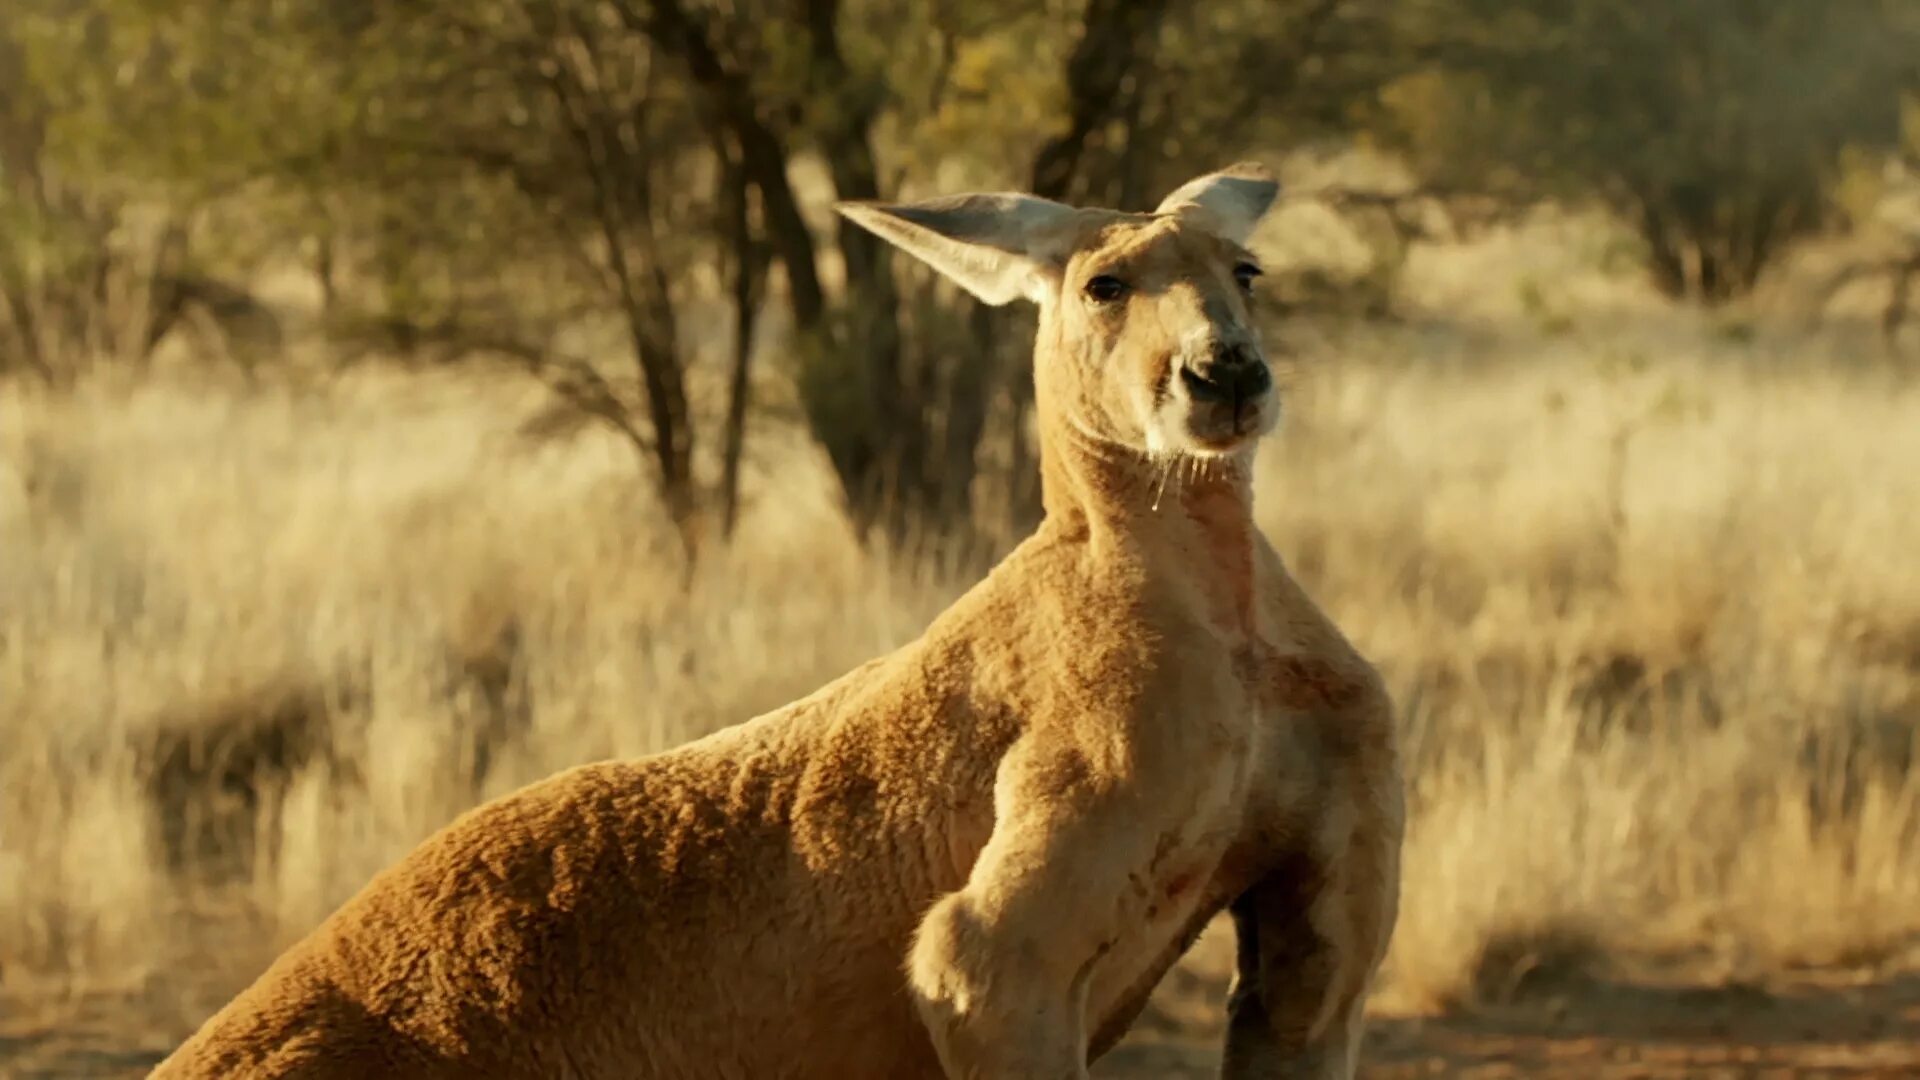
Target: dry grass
column 265, row 642
column 1649, row 601
column 1654, row 617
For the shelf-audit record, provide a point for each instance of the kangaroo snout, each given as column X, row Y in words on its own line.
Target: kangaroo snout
column 1230, row 375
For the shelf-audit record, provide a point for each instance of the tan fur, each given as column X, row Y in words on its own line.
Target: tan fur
column 977, row 855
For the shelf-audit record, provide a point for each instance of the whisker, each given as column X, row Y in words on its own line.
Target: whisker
column 1159, row 489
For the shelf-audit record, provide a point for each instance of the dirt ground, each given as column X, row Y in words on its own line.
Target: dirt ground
column 1575, row 1027
column 1563, row 1028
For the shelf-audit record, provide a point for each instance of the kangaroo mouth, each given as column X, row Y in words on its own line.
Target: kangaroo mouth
column 1224, row 427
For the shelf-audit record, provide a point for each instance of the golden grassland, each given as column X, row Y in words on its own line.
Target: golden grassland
column 1647, row 594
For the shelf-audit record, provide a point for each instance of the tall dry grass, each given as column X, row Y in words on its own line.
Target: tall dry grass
column 1648, row 599
column 1651, row 606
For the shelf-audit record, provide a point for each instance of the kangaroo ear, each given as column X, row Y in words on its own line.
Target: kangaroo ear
column 998, row 247
column 1229, row 202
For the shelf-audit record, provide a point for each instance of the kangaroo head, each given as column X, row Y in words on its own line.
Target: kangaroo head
column 1145, row 336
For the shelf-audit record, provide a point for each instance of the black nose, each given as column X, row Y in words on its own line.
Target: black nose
column 1233, row 377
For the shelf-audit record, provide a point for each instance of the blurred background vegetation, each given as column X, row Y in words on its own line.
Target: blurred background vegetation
column 624, row 196
column 401, row 400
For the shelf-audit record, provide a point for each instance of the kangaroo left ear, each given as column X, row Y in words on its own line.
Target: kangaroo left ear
column 1230, row 202
column 999, row 247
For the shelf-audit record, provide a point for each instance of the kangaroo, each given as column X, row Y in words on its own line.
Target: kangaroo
column 973, row 857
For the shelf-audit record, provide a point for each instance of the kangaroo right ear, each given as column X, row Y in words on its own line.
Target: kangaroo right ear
column 1229, row 202
column 997, row 247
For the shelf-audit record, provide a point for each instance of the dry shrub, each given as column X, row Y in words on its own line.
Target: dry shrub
column 1652, row 623
column 289, row 634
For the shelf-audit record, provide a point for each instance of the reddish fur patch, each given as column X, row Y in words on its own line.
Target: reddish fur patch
column 1180, row 884
column 1226, row 528
column 1308, row 683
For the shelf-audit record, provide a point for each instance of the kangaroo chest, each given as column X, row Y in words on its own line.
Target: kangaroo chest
column 1271, row 783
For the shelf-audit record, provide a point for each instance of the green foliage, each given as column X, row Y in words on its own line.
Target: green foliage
column 610, row 191
column 1712, row 126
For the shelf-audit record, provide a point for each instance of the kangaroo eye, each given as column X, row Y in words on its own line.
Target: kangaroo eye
column 1105, row 288
column 1244, row 273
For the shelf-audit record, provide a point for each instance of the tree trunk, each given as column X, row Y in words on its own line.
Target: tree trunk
column 876, row 432
column 763, row 156
column 859, row 400
column 852, row 379
column 22, row 137
column 1117, row 38
column 621, row 172
column 1898, row 300
column 746, row 263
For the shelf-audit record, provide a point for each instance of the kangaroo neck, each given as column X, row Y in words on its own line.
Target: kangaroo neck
column 1177, row 518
